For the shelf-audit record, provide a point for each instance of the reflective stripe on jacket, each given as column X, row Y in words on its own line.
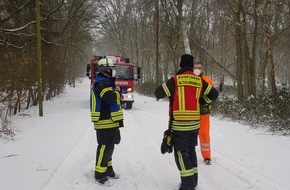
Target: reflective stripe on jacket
column 205, row 108
column 105, row 115
column 186, row 97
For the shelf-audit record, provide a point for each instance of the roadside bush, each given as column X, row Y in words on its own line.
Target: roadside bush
column 268, row 112
column 6, row 132
column 261, row 111
column 147, row 89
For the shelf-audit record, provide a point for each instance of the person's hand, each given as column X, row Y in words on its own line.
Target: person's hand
column 118, row 88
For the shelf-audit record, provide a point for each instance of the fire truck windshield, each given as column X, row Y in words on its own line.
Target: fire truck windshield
column 124, row 72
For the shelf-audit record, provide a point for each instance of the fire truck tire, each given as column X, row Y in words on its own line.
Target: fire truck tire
column 129, row 105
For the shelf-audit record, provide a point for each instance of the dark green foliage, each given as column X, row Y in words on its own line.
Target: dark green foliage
column 261, row 111
column 266, row 111
column 147, row 89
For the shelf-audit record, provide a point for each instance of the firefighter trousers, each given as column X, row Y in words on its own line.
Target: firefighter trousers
column 106, row 143
column 204, row 136
column 185, row 157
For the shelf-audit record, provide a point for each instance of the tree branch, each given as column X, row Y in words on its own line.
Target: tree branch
column 279, row 34
column 218, row 63
column 2, row 42
column 34, row 21
column 17, row 9
column 21, row 34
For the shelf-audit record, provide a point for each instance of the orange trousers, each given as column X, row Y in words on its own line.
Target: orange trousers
column 204, row 136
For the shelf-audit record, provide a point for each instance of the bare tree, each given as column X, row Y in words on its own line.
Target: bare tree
column 66, row 34
column 269, row 51
column 178, row 11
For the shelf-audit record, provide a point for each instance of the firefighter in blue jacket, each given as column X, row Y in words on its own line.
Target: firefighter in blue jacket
column 107, row 117
column 186, row 92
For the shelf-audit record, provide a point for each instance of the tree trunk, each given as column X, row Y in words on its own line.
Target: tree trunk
column 269, row 50
column 157, row 45
column 179, row 14
column 239, row 51
column 252, row 68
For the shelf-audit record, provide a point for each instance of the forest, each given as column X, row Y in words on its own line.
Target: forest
column 243, row 44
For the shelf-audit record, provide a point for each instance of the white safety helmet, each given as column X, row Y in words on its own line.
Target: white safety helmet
column 106, row 64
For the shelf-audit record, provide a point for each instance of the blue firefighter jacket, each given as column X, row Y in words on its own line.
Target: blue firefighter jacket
column 106, row 111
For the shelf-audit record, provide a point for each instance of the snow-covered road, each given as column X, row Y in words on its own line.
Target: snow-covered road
column 57, row 152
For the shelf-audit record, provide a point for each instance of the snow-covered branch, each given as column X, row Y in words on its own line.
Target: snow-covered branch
column 34, row 21
column 19, row 28
column 219, row 64
column 2, row 42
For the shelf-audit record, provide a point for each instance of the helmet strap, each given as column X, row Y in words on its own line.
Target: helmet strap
column 108, row 73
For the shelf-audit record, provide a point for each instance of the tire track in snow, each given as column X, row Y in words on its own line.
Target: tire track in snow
column 66, row 160
column 142, row 164
column 246, row 174
column 139, row 161
column 245, row 178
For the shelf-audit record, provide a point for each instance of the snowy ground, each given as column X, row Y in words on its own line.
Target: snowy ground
column 57, row 151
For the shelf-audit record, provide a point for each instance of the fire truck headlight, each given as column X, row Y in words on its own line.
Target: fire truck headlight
column 114, row 72
column 129, row 89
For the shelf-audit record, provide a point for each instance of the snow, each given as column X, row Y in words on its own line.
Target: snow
column 57, row 151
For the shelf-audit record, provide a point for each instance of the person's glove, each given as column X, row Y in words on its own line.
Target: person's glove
column 117, row 138
column 205, row 109
column 166, row 145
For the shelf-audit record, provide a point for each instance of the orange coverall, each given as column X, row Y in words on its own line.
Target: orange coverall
column 204, row 130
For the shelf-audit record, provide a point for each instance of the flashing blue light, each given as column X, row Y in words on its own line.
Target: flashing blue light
column 127, row 60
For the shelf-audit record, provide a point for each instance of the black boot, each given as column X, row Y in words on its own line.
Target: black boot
column 111, row 173
column 207, row 161
column 101, row 177
column 187, row 183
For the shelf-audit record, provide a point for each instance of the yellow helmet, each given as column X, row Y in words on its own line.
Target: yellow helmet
column 105, row 64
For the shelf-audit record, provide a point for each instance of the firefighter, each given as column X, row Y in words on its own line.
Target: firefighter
column 186, row 91
column 204, row 130
column 107, row 117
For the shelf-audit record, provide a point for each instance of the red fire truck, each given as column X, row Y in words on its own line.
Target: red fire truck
column 126, row 75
